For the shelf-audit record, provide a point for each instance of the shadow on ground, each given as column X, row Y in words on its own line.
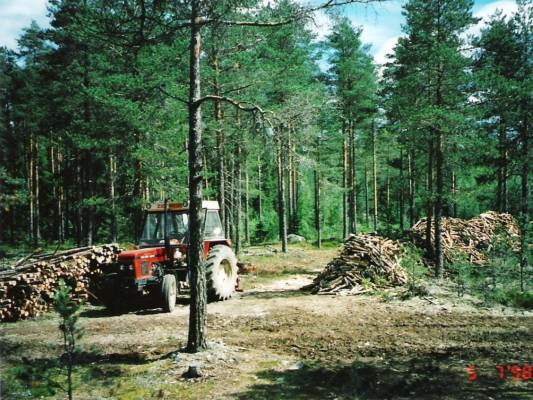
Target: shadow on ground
column 389, row 379
column 272, row 294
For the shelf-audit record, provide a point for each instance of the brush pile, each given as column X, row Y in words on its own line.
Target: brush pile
column 365, row 262
column 471, row 238
column 27, row 289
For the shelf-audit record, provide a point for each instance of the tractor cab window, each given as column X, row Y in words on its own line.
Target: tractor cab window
column 213, row 226
column 154, row 227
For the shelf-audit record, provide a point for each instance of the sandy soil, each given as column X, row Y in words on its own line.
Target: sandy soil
column 275, row 341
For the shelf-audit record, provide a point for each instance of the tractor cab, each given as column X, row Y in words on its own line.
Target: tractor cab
column 175, row 221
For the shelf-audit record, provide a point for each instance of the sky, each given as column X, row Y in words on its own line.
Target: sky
column 381, row 22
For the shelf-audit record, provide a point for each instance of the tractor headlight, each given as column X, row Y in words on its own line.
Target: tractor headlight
column 131, row 267
column 122, row 267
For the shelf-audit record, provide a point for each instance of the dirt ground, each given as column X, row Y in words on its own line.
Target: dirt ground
column 274, row 341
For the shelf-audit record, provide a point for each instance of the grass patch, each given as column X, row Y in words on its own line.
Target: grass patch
column 126, row 382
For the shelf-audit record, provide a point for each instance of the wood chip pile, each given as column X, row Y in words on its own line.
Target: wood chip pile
column 28, row 290
column 365, row 262
column 472, row 238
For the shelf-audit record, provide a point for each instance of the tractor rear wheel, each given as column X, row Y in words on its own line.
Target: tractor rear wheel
column 168, row 292
column 221, row 273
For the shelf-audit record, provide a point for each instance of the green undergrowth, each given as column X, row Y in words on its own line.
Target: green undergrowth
column 151, row 380
column 500, row 280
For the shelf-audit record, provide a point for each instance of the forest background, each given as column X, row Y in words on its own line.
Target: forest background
column 303, row 134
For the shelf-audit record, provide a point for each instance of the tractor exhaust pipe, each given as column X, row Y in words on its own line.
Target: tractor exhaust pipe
column 168, row 249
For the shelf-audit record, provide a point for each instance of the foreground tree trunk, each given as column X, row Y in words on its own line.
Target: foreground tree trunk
column 197, row 339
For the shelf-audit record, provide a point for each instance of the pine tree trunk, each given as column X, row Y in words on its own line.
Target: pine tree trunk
column 238, row 198
column 524, row 197
column 402, row 227
column 502, row 169
column 411, row 167
column 246, row 208
column 259, row 190
column 294, row 188
column 37, row 195
column 352, row 210
column 387, row 196
column 219, row 117
column 60, row 198
column 31, row 181
column 230, row 214
column 290, row 194
column 206, row 170
column 318, row 225
column 281, row 195
column 53, row 171
column 79, row 198
column 197, row 338
column 429, row 203
column 112, row 177
column 353, row 164
column 90, row 208
column 344, row 184
column 375, row 174
column 454, row 194
column 367, row 204
column 439, row 256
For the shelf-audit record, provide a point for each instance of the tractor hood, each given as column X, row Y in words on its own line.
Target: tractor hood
column 150, row 253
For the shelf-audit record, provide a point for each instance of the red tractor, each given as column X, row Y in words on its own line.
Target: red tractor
column 158, row 267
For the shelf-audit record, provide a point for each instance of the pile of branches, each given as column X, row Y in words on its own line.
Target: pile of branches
column 473, row 238
column 27, row 289
column 365, row 262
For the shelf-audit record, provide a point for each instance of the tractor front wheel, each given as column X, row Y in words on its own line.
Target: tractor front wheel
column 168, row 292
column 221, row 273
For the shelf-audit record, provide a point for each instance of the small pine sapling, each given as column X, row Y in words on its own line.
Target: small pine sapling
column 72, row 333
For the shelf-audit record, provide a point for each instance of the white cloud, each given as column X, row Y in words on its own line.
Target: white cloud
column 386, row 48
column 321, row 24
column 507, row 7
column 18, row 14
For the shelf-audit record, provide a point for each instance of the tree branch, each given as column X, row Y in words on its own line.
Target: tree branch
column 237, row 89
column 303, row 13
column 244, row 106
column 162, row 90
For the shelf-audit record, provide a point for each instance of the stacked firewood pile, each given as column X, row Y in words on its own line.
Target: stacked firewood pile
column 365, row 262
column 28, row 290
column 471, row 238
